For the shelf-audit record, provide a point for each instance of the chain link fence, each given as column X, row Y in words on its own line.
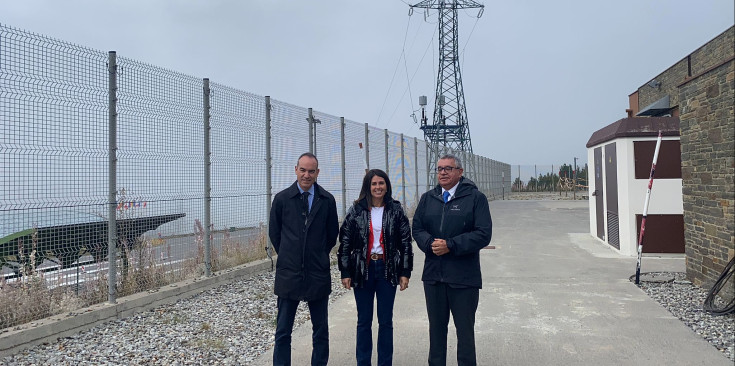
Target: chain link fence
column 167, row 176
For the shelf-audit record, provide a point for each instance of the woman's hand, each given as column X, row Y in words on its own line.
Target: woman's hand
column 347, row 283
column 404, row 282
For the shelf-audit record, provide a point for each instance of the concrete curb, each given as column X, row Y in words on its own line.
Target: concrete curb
column 63, row 325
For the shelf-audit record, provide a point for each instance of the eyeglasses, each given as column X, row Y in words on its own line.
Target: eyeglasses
column 447, row 169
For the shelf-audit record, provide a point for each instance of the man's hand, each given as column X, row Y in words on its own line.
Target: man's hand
column 439, row 247
column 404, row 283
column 347, row 283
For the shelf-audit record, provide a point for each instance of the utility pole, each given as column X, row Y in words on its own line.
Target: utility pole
column 449, row 128
column 520, row 183
column 574, row 181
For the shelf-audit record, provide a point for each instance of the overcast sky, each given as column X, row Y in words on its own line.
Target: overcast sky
column 539, row 76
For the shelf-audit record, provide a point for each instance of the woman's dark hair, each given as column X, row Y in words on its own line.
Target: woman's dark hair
column 365, row 190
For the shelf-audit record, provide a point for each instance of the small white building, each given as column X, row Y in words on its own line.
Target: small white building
column 620, row 156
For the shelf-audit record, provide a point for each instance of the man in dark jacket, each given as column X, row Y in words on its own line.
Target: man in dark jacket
column 303, row 229
column 451, row 225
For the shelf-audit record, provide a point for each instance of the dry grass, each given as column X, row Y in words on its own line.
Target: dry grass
column 32, row 298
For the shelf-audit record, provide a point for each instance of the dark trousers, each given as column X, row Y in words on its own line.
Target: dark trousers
column 284, row 327
column 375, row 287
column 441, row 299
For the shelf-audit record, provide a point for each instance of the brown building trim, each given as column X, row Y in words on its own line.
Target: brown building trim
column 633, row 104
column 706, row 71
column 636, row 127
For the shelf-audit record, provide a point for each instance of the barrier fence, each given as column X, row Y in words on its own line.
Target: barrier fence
column 106, row 159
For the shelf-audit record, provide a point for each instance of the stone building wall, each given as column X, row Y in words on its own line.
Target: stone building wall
column 670, row 80
column 707, row 124
column 702, row 87
column 709, row 55
column 713, row 52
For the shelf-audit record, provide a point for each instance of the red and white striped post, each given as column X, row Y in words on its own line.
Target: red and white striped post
column 645, row 210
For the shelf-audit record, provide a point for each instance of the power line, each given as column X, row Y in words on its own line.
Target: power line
column 468, row 39
column 426, row 50
column 398, row 63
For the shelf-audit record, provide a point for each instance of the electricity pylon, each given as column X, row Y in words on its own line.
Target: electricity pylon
column 449, row 131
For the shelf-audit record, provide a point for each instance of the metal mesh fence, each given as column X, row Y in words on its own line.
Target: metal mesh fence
column 410, row 199
column 189, row 165
column 377, row 146
column 53, row 154
column 328, row 151
column 237, row 177
column 355, row 163
column 289, row 139
column 159, row 185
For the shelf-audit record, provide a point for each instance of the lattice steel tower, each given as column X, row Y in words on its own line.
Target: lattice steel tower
column 449, row 129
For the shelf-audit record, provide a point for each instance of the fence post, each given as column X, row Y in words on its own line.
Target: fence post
column 387, row 168
column 311, row 131
column 112, row 178
column 367, row 148
column 428, row 166
column 268, row 172
column 207, row 184
column 416, row 169
column 344, row 163
column 486, row 175
column 403, row 172
column 465, row 161
column 490, row 174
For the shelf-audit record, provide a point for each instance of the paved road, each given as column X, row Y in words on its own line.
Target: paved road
column 552, row 295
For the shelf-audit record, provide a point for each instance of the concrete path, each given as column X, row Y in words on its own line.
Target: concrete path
column 552, row 295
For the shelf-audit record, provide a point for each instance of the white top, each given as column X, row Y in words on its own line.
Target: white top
column 451, row 191
column 376, row 216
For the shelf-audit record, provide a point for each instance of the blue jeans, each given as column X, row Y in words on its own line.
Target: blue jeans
column 284, row 326
column 375, row 286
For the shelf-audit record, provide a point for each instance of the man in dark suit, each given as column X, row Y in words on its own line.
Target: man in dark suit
column 451, row 225
column 303, row 229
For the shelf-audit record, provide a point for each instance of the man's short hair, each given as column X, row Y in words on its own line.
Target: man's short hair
column 309, row 155
column 457, row 161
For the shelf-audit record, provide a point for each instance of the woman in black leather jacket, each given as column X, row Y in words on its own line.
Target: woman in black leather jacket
column 375, row 257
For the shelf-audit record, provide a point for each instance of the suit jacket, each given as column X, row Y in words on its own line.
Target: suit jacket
column 303, row 242
column 465, row 223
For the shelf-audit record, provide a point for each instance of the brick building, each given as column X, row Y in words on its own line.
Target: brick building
column 700, row 91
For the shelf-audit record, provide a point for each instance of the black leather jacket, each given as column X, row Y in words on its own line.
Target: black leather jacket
column 353, row 247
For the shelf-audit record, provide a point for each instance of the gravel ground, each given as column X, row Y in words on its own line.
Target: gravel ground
column 234, row 323
column 228, row 325
column 684, row 301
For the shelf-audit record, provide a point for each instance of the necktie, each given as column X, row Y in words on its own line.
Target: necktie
column 305, row 200
column 446, row 196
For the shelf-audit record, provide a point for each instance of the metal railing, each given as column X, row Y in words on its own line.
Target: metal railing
column 180, row 168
